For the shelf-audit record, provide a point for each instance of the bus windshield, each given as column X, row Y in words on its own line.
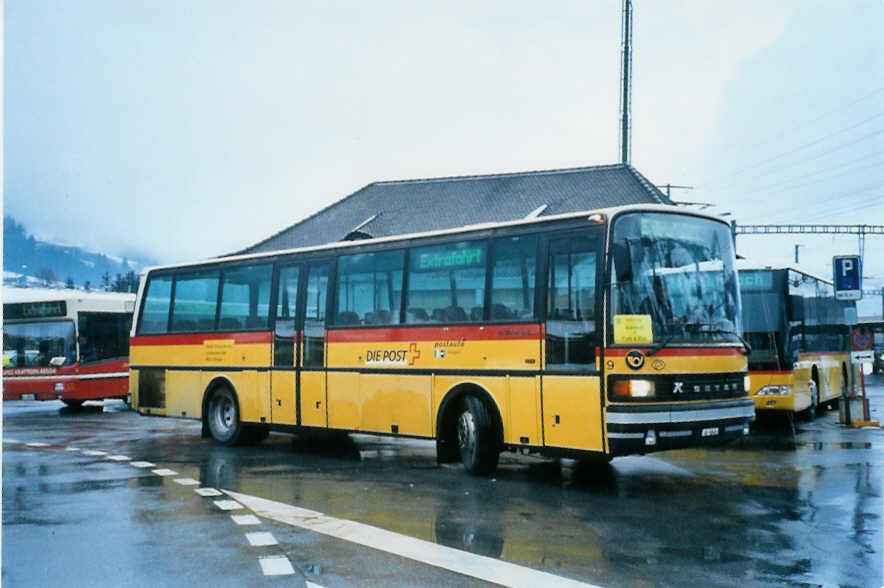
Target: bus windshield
column 39, row 344
column 674, row 275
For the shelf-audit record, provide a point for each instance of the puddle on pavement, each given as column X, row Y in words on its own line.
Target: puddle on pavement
column 824, row 445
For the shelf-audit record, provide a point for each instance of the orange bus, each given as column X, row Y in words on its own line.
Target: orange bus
column 65, row 345
column 590, row 335
column 800, row 356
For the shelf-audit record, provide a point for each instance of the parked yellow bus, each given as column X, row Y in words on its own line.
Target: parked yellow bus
column 590, row 335
column 800, row 356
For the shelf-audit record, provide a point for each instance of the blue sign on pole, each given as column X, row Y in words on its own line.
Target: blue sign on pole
column 848, row 277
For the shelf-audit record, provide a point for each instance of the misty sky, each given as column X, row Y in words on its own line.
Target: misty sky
column 189, row 129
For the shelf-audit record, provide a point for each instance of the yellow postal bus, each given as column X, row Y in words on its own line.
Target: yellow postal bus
column 590, row 335
column 800, row 356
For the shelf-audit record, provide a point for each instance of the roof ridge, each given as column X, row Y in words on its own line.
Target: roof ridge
column 501, row 175
column 431, row 180
column 647, row 185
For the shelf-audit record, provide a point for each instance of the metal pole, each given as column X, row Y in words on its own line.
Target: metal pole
column 862, row 375
column 626, row 82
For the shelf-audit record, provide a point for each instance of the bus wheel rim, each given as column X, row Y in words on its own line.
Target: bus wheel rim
column 225, row 414
column 466, row 431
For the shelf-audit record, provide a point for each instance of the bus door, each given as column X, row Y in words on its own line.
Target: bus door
column 286, row 347
column 312, row 398
column 298, row 375
column 570, row 382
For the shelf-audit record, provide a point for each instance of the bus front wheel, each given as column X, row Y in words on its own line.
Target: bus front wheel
column 223, row 417
column 814, row 397
column 476, row 437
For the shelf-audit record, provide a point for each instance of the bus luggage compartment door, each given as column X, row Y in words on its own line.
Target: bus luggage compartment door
column 572, row 412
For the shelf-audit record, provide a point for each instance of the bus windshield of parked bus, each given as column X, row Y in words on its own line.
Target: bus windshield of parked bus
column 39, row 344
column 673, row 280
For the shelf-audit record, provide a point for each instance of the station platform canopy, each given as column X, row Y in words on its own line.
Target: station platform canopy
column 387, row 208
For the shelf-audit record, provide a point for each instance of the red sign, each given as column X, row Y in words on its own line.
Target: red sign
column 861, row 339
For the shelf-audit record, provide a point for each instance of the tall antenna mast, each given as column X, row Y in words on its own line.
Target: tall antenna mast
column 626, row 83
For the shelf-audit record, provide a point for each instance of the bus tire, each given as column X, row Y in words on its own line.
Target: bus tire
column 223, row 417
column 814, row 386
column 72, row 402
column 476, row 437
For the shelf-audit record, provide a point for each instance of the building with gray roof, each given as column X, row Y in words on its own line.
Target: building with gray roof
column 388, row 208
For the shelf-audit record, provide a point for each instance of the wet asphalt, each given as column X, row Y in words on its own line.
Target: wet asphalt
column 794, row 504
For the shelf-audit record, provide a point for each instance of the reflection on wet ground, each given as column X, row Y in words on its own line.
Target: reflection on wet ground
column 794, row 504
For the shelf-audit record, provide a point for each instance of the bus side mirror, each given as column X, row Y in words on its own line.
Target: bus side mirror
column 796, row 308
column 622, row 261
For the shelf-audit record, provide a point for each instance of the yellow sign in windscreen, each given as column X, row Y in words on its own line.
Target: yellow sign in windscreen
column 633, row 328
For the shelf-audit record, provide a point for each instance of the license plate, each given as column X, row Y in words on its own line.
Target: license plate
column 28, row 397
column 710, row 432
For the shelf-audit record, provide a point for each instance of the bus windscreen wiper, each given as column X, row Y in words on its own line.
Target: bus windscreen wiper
column 719, row 331
column 667, row 339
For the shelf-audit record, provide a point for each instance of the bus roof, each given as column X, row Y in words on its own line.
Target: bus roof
column 607, row 212
column 76, row 299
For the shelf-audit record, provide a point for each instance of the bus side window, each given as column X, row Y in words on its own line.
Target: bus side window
column 446, row 283
column 154, row 317
column 245, row 297
column 513, row 269
column 196, row 301
column 369, row 288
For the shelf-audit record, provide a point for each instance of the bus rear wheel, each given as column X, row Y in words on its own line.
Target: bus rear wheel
column 476, row 437
column 223, row 417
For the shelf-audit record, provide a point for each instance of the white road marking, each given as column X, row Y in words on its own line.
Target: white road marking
column 310, row 584
column 187, row 481
column 228, row 504
column 119, row 457
column 208, row 492
column 93, row 453
column 142, row 464
column 72, row 449
column 37, row 444
column 245, row 519
column 276, row 565
column 11, row 441
column 455, row 560
column 261, row 539
column 165, row 472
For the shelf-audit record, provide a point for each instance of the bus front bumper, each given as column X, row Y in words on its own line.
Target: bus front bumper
column 643, row 429
column 34, row 388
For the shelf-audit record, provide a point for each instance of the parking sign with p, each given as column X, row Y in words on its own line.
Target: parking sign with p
column 847, row 274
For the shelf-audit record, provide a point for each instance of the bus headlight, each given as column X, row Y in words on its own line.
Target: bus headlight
column 774, row 391
column 747, row 383
column 634, row 388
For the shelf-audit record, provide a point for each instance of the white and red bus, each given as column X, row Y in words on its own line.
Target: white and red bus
column 66, row 345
